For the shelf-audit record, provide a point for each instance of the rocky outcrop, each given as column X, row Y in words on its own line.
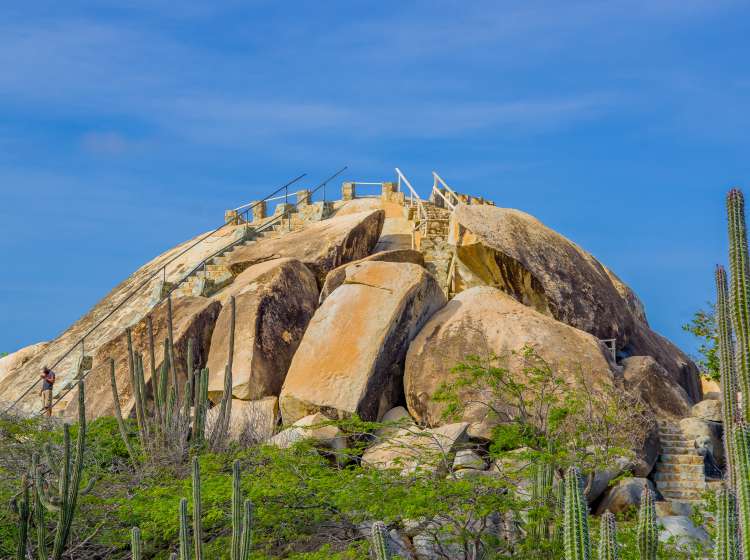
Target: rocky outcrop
column 624, row 495
column 193, row 318
column 351, row 356
column 336, row 277
column 321, row 246
column 314, row 427
column 704, row 434
column 274, row 302
column 516, row 253
column 709, row 409
column 20, row 358
column 484, row 321
column 650, row 381
column 415, row 448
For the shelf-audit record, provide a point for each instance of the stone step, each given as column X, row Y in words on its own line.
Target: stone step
column 694, row 476
column 681, row 459
column 686, row 485
column 677, row 449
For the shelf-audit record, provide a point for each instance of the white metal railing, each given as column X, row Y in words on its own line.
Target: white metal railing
column 367, row 184
column 452, row 199
column 414, row 199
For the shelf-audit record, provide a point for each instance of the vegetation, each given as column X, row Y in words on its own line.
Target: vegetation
column 703, row 327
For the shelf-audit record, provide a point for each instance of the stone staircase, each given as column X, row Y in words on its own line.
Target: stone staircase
column 679, row 473
column 438, row 254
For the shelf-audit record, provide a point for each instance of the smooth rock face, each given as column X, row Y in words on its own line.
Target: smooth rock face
column 649, row 380
column 316, row 427
column 321, row 246
column 626, row 493
column 350, row 358
column 250, row 421
column 336, row 277
column 18, row 359
column 683, row 530
column 709, row 409
column 274, row 301
column 481, row 321
column 468, row 459
column 516, row 253
column 193, row 318
column 413, row 448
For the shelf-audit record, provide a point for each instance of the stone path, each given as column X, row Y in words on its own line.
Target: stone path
column 679, row 473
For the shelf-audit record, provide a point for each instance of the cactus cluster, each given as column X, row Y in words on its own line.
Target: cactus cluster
column 608, row 538
column 242, row 513
column 39, row 495
column 173, row 421
column 380, row 548
column 733, row 327
column 576, row 527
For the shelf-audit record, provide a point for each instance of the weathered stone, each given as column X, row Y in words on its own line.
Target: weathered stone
column 394, row 419
column 350, row 359
column 681, row 530
column 468, row 459
column 624, row 495
column 652, row 383
column 316, row 427
column 20, row 358
column 704, row 432
column 414, row 448
column 274, row 301
column 601, row 479
column 336, row 277
column 482, row 321
column 321, row 246
column 645, row 458
column 708, row 409
column 193, row 318
column 515, row 252
column 250, row 421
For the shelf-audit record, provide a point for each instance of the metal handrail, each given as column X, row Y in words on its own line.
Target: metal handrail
column 172, row 288
column 412, row 196
column 161, row 270
column 435, row 189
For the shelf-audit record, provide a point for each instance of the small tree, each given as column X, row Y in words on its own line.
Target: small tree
column 703, row 327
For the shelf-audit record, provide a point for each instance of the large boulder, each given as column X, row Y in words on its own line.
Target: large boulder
column 650, row 381
column 19, row 358
column 415, row 448
column 351, row 357
column 708, row 409
column 193, row 318
column 336, row 277
column 704, row 434
column 516, row 253
column 315, row 427
column 624, row 495
column 274, row 302
column 683, row 533
column 484, row 321
column 321, row 246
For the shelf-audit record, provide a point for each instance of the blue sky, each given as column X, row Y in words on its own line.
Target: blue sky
column 127, row 127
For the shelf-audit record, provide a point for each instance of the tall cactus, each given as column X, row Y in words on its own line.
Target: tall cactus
column 24, row 516
column 742, row 484
column 648, row 539
column 739, row 267
column 197, row 511
column 726, row 546
column 608, row 538
column 576, row 528
column 39, row 517
column 541, row 496
column 136, row 546
column 118, row 413
column 380, row 541
column 184, row 531
column 728, row 374
column 241, row 518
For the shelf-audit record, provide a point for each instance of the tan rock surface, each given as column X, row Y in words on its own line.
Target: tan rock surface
column 336, row 277
column 515, row 252
column 316, row 427
column 656, row 387
column 483, row 320
column 193, row 318
column 350, row 359
column 321, row 246
column 18, row 359
column 17, row 379
column 412, row 448
column 274, row 302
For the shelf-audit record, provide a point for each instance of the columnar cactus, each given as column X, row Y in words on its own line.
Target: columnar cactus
column 739, row 267
column 726, row 369
column 118, row 413
column 242, row 513
column 541, row 493
column 197, row 511
column 648, row 540
column 726, row 546
column 39, row 517
column 608, row 538
column 742, row 483
column 24, row 515
column 380, row 547
column 576, row 528
column 136, row 547
column 184, row 531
